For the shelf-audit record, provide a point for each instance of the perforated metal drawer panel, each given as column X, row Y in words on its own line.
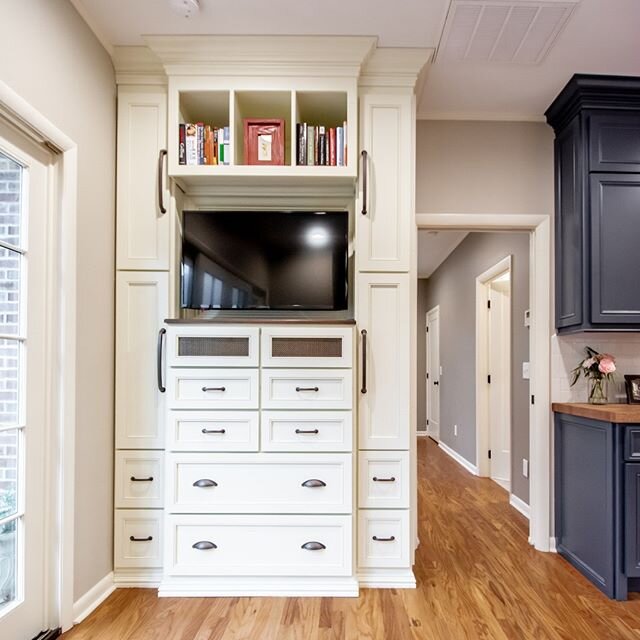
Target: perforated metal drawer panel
column 306, row 347
column 221, row 346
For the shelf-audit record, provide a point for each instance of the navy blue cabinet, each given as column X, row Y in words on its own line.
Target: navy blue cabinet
column 597, row 161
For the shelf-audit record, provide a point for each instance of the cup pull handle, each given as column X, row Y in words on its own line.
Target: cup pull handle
column 313, row 546
column 205, row 482
column 204, row 545
column 314, row 482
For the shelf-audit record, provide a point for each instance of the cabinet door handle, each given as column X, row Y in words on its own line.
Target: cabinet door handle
column 313, row 546
column 314, row 431
column 205, row 430
column 161, row 157
column 436, row 383
column 204, row 545
column 391, row 479
column 363, row 333
column 134, row 479
column 365, row 168
column 389, row 539
column 161, row 333
column 147, row 539
column 313, row 482
column 316, row 389
column 214, row 389
column 205, row 482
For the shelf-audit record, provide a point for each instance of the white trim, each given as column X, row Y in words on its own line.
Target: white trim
column 137, row 578
column 519, row 505
column 471, row 468
column 91, row 600
column 540, row 431
column 480, row 116
column 553, row 542
column 387, row 578
column 421, row 433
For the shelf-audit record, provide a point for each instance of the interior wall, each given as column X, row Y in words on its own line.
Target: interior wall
column 453, row 287
column 52, row 59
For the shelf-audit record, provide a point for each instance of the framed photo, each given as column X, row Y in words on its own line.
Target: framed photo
column 632, row 383
column 263, row 141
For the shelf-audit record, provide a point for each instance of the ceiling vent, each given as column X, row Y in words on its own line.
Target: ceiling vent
column 518, row 31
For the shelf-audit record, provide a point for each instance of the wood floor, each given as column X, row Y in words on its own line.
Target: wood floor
column 477, row 578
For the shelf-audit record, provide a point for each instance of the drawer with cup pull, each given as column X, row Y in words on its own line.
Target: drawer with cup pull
column 306, row 389
column 383, row 538
column 138, row 479
column 137, row 538
column 255, row 545
column 212, row 431
column 383, row 479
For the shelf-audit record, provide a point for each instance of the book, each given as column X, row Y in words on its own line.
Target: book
column 344, row 148
column 302, row 143
column 227, row 154
column 311, row 160
column 332, row 147
column 182, row 149
column 339, row 146
column 321, row 146
column 316, row 146
column 191, row 143
column 200, row 134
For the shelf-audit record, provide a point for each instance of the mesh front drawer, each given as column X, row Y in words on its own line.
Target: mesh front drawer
column 213, row 346
column 306, row 347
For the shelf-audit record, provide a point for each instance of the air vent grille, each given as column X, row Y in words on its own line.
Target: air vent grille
column 513, row 31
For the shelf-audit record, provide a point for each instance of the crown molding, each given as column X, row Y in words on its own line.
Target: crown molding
column 137, row 65
column 479, row 116
column 395, row 67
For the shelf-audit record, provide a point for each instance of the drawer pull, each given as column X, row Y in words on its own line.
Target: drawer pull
column 391, row 479
column 314, row 431
column 313, row 482
column 205, row 482
column 316, row 389
column 147, row 539
column 205, row 389
column 313, row 546
column 205, row 430
column 389, row 539
column 134, row 479
column 204, row 545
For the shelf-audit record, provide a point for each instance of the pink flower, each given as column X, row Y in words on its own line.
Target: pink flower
column 607, row 365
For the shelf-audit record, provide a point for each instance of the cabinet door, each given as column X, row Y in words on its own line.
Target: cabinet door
column 141, row 307
column 614, row 142
column 615, row 258
column 385, row 363
column 632, row 524
column 383, row 232
column 142, row 227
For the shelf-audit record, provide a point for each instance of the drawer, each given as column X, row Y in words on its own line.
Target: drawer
column 259, row 545
column 197, row 346
column 306, row 430
column 212, row 388
column 383, row 479
column 213, row 431
column 306, row 389
column 139, row 479
column 137, row 538
column 250, row 483
column 632, row 443
column 383, row 539
column 306, row 347
column 614, row 142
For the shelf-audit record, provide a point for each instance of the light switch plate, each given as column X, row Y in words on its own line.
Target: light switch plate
column 525, row 371
column 525, row 467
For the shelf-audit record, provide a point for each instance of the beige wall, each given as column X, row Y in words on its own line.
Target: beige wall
column 52, row 59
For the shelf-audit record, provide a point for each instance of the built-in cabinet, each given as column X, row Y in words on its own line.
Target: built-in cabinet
column 597, row 158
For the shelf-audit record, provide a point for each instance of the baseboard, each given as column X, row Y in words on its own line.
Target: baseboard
column 421, row 434
column 137, row 578
column 553, row 544
column 471, row 468
column 519, row 505
column 93, row 598
column 384, row 578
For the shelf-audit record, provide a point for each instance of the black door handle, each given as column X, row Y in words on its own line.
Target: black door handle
column 389, row 539
column 205, row 430
column 205, row 389
column 161, row 157
column 365, row 168
column 147, row 539
column 436, row 383
column 161, row 333
column 316, row 389
column 315, row 431
column 134, row 479
column 363, row 333
column 391, row 479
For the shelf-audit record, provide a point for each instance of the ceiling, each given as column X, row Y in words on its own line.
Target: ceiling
column 599, row 37
column 434, row 247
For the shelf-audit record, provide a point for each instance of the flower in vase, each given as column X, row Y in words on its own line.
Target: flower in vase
column 607, row 365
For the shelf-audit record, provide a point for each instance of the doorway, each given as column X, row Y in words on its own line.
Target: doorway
column 432, row 381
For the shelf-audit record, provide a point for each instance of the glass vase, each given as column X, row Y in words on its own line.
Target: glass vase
column 597, row 391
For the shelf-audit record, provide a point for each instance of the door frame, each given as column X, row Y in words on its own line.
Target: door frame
column 483, row 430
column 540, row 416
column 434, row 309
column 61, row 349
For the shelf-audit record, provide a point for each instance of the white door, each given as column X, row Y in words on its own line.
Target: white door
column 24, row 198
column 499, row 360
column 433, row 374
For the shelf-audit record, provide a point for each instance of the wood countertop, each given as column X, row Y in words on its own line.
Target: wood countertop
column 619, row 413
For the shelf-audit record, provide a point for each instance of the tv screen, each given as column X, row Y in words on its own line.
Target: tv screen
column 265, row 260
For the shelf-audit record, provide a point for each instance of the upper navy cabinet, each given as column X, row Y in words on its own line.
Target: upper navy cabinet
column 597, row 160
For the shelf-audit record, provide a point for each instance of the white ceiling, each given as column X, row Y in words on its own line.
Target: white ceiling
column 600, row 37
column 434, row 247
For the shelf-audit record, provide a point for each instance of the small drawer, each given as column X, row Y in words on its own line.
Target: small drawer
column 383, row 479
column 213, row 431
column 139, row 479
column 259, row 545
column 307, row 389
column 383, row 539
column 195, row 346
column 137, row 538
column 306, row 430
column 632, row 443
column 212, row 388
column 307, row 347
column 250, row 483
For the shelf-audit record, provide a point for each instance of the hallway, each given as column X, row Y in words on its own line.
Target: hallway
column 477, row 578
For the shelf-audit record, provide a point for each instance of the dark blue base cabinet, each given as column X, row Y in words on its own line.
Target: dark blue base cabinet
column 597, row 498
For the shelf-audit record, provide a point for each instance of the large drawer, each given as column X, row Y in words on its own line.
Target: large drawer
column 306, row 347
column 212, row 431
column 201, row 545
column 250, row 483
column 139, row 479
column 383, row 538
column 383, row 479
column 137, row 538
column 212, row 388
column 306, row 389
column 306, row 430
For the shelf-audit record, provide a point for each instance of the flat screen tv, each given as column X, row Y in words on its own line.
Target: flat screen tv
column 265, row 260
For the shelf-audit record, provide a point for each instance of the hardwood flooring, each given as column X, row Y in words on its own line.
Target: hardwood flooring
column 477, row 578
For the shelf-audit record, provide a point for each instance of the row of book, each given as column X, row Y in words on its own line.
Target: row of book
column 203, row 144
column 323, row 146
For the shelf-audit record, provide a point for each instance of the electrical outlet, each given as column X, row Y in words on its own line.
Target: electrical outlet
column 525, row 467
column 455, row 429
